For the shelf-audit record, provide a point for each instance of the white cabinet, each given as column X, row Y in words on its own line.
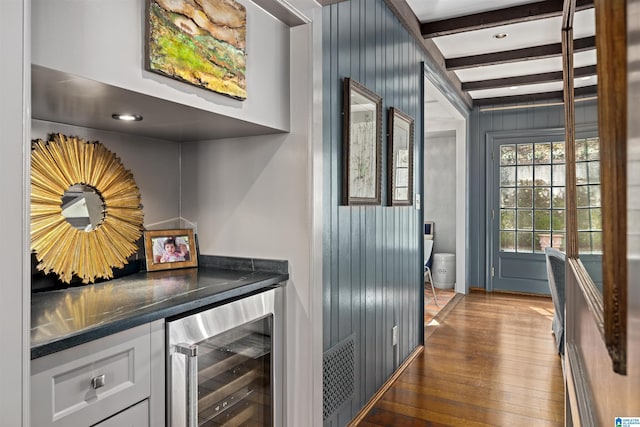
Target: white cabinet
column 83, row 385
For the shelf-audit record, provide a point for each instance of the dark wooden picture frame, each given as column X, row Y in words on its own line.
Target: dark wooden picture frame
column 361, row 145
column 400, row 158
column 157, row 255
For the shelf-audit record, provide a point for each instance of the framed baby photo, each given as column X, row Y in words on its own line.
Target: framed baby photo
column 169, row 249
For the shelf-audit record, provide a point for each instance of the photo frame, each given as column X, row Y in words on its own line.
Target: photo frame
column 400, row 158
column 170, row 249
column 361, row 139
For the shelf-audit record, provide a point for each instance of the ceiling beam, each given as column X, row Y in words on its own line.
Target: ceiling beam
column 554, row 76
column 534, row 97
column 408, row 19
column 495, row 18
column 524, row 54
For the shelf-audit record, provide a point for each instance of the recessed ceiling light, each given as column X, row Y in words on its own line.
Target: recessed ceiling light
column 585, row 77
column 513, row 87
column 126, row 117
column 500, row 35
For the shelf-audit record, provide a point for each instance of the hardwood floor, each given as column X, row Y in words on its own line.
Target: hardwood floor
column 491, row 362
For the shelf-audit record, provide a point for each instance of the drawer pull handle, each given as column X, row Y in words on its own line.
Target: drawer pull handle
column 97, row 382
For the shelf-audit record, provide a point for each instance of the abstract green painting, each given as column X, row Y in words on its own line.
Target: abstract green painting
column 201, row 42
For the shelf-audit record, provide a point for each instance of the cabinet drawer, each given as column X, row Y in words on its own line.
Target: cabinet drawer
column 83, row 385
column 136, row 416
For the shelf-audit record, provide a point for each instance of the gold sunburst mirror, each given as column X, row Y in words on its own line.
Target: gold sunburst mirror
column 85, row 209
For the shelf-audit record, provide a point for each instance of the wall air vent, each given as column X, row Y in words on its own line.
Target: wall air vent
column 337, row 376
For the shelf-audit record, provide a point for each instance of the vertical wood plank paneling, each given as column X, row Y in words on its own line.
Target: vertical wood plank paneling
column 374, row 334
column 336, row 123
column 391, row 246
column 397, row 87
column 367, row 61
column 398, row 100
column 345, row 65
column 539, row 118
column 380, row 318
column 377, row 236
column 373, row 265
column 357, row 283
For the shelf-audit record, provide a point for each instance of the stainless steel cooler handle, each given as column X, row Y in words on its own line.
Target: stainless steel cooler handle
column 191, row 352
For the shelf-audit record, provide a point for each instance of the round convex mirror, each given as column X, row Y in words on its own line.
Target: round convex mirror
column 83, row 207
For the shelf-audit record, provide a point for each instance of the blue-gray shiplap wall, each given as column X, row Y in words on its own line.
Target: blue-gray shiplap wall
column 373, row 254
column 526, row 120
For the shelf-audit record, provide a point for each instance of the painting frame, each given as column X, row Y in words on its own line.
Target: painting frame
column 361, row 145
column 201, row 44
column 159, row 258
column 400, row 158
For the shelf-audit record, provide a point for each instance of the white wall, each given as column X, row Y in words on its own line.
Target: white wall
column 443, row 119
column 15, row 99
column 155, row 165
column 251, row 197
column 103, row 40
column 440, row 188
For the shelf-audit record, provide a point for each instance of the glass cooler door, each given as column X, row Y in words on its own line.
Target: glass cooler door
column 234, row 377
column 221, row 366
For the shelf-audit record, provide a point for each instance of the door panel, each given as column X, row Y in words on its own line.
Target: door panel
column 521, row 273
column 526, row 207
column 526, row 201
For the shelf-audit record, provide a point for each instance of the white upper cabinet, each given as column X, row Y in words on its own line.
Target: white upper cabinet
column 88, row 59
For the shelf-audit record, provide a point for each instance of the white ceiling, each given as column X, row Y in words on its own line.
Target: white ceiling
column 525, row 34
column 434, row 10
column 534, row 66
column 441, row 117
column 521, row 35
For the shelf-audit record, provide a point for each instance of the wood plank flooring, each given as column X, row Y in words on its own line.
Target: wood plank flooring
column 490, row 362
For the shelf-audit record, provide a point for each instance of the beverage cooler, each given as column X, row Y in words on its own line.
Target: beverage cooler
column 225, row 364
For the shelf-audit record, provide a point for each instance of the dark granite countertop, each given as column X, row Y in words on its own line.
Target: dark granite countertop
column 67, row 317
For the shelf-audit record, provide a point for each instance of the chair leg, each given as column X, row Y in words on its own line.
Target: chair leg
column 433, row 288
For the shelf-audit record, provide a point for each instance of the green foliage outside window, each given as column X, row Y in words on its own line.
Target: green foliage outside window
column 532, row 196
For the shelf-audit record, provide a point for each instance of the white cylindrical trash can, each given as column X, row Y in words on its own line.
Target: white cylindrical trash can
column 444, row 270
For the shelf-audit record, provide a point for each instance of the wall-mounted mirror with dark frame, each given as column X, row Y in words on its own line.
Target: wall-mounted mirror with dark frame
column 611, row 44
column 596, row 182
